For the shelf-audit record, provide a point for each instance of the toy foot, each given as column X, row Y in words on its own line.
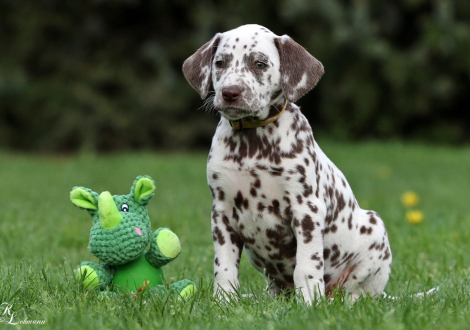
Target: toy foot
column 164, row 247
column 184, row 288
column 92, row 275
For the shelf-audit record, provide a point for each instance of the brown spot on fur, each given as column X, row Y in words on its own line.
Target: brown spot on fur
column 336, row 254
column 274, row 208
column 364, row 230
column 276, row 171
column 253, row 192
column 218, row 236
column 307, row 228
column 308, row 190
column 312, row 208
column 350, row 225
column 271, row 269
column 326, row 278
column 240, row 201
column 235, row 214
column 315, row 256
column 387, row 254
column 341, row 203
column 373, row 220
column 221, row 194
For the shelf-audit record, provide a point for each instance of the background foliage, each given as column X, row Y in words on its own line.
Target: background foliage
column 106, row 74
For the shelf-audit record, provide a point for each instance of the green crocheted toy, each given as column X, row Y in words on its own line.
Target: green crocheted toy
column 119, row 235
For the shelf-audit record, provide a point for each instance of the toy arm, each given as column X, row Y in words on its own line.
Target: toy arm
column 164, row 247
column 92, row 275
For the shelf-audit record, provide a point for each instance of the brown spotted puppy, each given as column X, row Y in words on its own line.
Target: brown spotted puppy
column 275, row 192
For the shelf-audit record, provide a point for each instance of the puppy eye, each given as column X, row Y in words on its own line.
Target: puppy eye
column 125, row 208
column 219, row 64
column 260, row 65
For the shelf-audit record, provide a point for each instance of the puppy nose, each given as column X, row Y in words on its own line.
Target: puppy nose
column 231, row 94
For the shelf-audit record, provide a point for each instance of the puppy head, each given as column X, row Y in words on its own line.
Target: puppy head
column 251, row 69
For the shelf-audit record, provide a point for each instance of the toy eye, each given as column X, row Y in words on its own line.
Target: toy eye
column 125, row 208
column 260, row 65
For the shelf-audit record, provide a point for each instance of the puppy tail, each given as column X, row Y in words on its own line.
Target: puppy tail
column 416, row 295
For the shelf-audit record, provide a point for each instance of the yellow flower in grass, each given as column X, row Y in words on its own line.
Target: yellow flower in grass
column 410, row 198
column 414, row 216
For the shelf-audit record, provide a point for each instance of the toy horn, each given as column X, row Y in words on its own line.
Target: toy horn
column 109, row 214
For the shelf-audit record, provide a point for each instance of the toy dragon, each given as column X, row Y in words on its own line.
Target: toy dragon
column 119, row 235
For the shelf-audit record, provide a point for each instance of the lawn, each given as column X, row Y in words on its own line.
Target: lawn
column 43, row 237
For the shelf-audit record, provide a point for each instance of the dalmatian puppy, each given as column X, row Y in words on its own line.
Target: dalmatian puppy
column 275, row 193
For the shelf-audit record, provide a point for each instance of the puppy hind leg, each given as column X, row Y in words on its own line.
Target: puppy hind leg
column 367, row 280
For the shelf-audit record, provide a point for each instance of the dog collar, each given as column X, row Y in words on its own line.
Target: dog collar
column 246, row 123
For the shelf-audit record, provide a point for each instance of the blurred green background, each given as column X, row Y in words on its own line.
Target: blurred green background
column 105, row 75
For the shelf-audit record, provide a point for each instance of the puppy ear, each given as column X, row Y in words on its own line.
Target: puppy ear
column 300, row 71
column 197, row 68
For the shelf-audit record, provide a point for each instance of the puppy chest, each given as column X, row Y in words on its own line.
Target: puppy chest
column 268, row 235
column 270, row 245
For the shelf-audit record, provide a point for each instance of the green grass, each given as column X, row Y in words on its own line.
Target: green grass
column 43, row 237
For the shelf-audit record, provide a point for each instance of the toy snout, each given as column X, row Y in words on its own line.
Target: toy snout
column 108, row 211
